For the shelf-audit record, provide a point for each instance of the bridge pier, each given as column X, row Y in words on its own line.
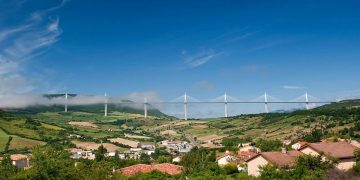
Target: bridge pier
column 66, row 102
column 225, row 106
column 185, row 107
column 145, row 108
column 106, row 106
column 307, row 101
column 266, row 103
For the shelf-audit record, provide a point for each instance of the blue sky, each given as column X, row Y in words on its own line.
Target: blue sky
column 168, row 47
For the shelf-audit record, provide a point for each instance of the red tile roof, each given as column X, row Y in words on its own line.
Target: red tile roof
column 302, row 143
column 340, row 150
column 227, row 153
column 16, row 157
column 280, row 159
column 245, row 155
column 166, row 168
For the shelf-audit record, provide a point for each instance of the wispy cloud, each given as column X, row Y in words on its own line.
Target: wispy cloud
column 289, row 87
column 198, row 59
column 267, row 45
column 243, row 36
column 22, row 42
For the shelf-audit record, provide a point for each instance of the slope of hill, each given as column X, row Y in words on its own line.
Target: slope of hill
column 346, row 104
column 45, row 125
column 90, row 108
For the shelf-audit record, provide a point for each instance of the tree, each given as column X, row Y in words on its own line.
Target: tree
column 6, row 168
column 195, row 159
column 270, row 172
column 268, row 145
column 230, row 169
column 100, row 153
column 48, row 163
column 164, row 159
column 357, row 165
column 144, row 158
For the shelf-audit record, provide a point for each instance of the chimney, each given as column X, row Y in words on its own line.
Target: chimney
column 283, row 150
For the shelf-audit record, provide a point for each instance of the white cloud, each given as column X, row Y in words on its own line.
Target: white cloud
column 198, row 59
column 23, row 42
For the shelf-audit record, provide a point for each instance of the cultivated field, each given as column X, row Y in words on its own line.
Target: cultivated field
column 95, row 146
column 136, row 136
column 24, row 143
column 14, row 127
column 83, row 124
column 3, row 139
column 127, row 142
column 169, row 132
column 51, row 127
column 210, row 138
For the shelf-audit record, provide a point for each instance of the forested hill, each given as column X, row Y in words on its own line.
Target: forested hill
column 345, row 104
column 90, row 108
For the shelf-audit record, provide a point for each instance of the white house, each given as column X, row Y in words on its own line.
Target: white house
column 21, row 161
column 279, row 159
column 228, row 157
column 342, row 151
column 249, row 148
column 176, row 159
column 298, row 145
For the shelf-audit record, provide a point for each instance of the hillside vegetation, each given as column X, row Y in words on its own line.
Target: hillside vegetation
column 41, row 126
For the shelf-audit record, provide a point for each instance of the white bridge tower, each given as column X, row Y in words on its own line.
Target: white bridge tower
column 145, row 108
column 307, row 101
column 106, row 105
column 185, row 107
column 266, row 103
column 225, row 105
column 66, row 102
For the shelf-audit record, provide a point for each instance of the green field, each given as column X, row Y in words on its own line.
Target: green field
column 23, row 143
column 3, row 140
column 14, row 127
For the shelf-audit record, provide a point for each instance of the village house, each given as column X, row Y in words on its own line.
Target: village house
column 177, row 146
column 238, row 159
column 147, row 146
column 77, row 153
column 227, row 158
column 132, row 153
column 176, row 159
column 286, row 142
column 298, row 145
column 166, row 168
column 342, row 151
column 279, row 159
column 21, row 161
column 245, row 155
column 245, row 147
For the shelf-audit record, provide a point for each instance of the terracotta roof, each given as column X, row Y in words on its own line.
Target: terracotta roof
column 340, row 150
column 245, row 155
column 227, row 153
column 278, row 158
column 15, row 157
column 302, row 143
column 170, row 169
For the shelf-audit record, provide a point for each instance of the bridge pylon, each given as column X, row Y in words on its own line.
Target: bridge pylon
column 66, row 102
column 145, row 108
column 185, row 106
column 106, row 105
column 266, row 103
column 225, row 105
